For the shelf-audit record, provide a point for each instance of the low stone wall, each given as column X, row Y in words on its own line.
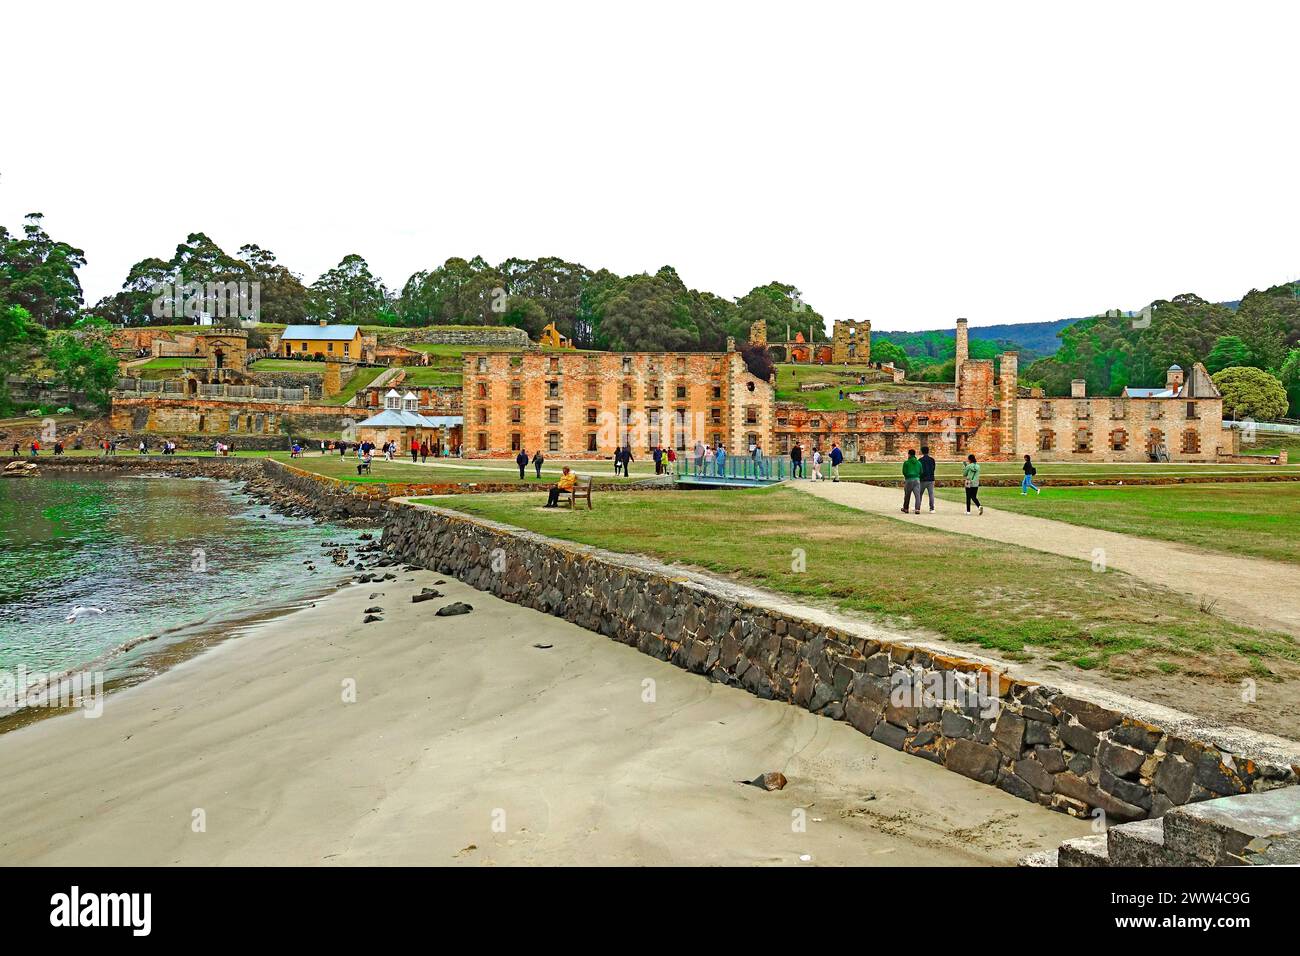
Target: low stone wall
column 500, row 337
column 132, row 462
column 1033, row 741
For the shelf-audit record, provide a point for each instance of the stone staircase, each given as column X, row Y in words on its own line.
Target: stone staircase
column 1252, row 829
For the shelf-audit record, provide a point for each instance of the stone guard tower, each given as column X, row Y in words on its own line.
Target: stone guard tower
column 851, row 342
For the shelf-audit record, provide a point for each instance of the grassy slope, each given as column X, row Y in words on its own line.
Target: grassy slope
column 789, row 377
column 1260, row 520
column 1023, row 603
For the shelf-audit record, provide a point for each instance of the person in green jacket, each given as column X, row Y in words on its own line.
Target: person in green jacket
column 912, row 480
column 971, row 474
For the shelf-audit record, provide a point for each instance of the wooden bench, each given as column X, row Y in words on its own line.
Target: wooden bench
column 581, row 489
column 363, row 467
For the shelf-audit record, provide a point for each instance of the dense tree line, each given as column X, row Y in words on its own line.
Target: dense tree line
column 594, row 307
column 40, row 293
column 1117, row 349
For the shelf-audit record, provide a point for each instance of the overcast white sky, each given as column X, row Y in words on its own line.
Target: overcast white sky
column 907, row 163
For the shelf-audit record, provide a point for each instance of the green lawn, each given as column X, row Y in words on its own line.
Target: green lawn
column 431, row 377
column 1260, row 519
column 1271, row 444
column 362, row 377
column 1022, row 603
column 1082, row 471
column 183, row 361
column 789, row 377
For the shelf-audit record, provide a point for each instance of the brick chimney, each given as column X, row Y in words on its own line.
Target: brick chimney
column 1174, row 378
column 963, row 348
column 1079, row 388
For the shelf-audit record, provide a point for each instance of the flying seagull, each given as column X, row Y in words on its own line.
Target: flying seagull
column 80, row 611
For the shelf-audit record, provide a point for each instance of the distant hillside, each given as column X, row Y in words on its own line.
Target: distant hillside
column 1039, row 339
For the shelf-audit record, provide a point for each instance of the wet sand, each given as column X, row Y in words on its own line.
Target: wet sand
column 466, row 745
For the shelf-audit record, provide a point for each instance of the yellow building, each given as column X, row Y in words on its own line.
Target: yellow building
column 327, row 341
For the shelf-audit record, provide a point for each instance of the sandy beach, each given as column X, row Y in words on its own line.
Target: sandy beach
column 467, row 745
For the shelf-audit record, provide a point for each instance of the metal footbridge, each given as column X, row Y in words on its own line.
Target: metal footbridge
column 740, row 471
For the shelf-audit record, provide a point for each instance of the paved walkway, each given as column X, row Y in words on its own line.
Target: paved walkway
column 1262, row 592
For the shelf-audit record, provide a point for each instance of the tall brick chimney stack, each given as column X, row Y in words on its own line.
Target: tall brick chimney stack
column 963, row 347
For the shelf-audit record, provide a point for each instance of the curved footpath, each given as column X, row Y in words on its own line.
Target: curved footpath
column 1254, row 590
column 461, row 723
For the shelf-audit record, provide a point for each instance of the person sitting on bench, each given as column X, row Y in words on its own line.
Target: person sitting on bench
column 364, row 464
column 567, row 480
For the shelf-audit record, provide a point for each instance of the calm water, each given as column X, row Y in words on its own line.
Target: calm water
column 164, row 557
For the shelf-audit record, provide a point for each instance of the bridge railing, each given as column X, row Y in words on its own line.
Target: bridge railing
column 734, row 468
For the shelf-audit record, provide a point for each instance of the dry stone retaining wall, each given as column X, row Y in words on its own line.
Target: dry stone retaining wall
column 1033, row 741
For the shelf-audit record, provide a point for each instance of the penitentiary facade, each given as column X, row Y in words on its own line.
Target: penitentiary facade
column 584, row 404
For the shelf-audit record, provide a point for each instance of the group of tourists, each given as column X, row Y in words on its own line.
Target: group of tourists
column 816, row 461
column 522, row 460
column 918, row 480
column 664, row 459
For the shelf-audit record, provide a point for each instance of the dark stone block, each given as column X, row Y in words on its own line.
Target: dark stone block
column 1133, row 734
column 956, row 725
column 1078, row 738
column 924, row 738
column 861, row 714
column 1072, row 785
column 1092, row 716
column 1052, row 758
column 822, row 695
column 1034, row 774
column 1120, row 760
column 877, row 664
column 905, row 717
column 1217, row 777
column 805, row 682
column 1080, row 764
column 889, row 735
column 1037, row 732
column 1127, row 790
column 1009, row 734
column 1015, row 786
column 977, row 761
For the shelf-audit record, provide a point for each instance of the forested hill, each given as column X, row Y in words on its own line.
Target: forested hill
column 1037, row 338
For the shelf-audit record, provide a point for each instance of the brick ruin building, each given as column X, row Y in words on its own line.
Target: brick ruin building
column 987, row 413
column 584, row 404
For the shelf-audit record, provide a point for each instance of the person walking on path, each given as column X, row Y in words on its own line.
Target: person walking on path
column 911, row 480
column 817, row 465
column 971, row 479
column 537, row 462
column 720, row 460
column 927, row 479
column 658, row 455
column 1028, row 481
column 837, row 458
column 415, row 451
column 700, row 451
column 521, row 460
column 796, row 461
column 756, row 456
